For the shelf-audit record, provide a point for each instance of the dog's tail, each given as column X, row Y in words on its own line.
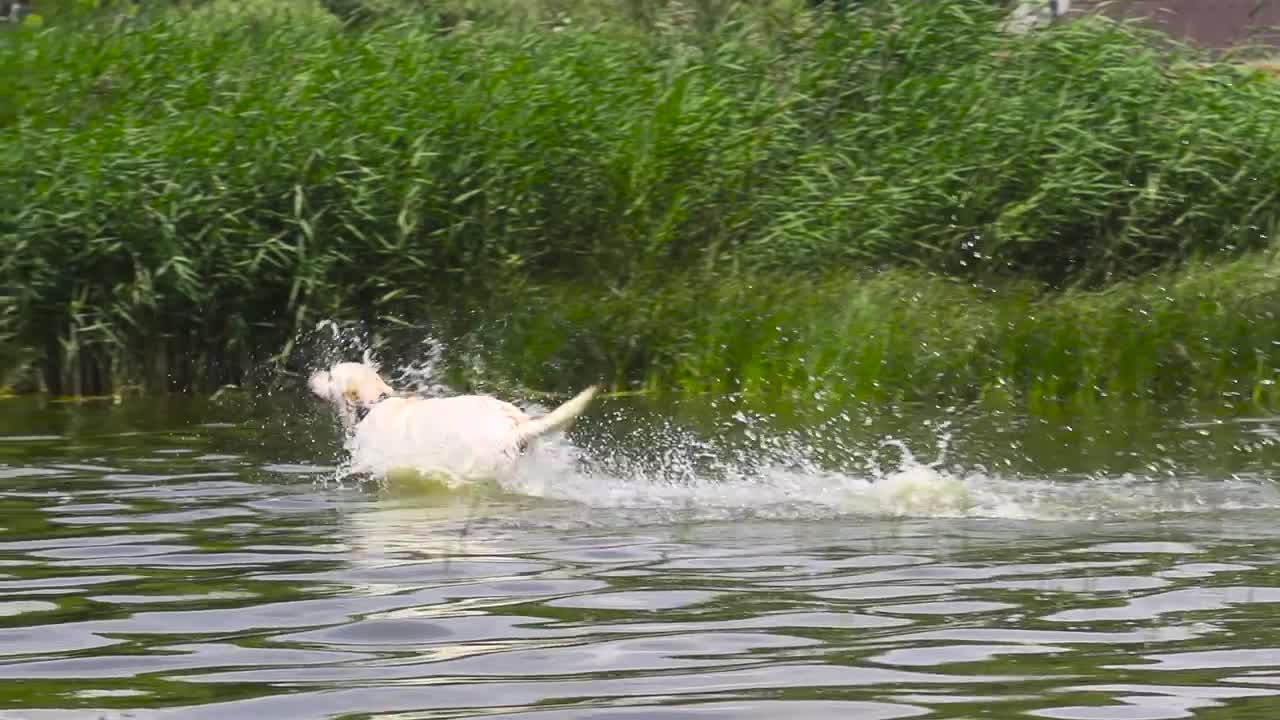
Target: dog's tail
column 558, row 419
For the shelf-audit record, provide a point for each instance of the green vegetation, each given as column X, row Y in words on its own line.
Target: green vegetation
column 899, row 201
column 1203, row 336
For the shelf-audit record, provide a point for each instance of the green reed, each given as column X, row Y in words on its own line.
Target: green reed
column 1204, row 335
column 183, row 192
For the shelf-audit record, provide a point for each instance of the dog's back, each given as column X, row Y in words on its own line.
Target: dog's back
column 468, row 437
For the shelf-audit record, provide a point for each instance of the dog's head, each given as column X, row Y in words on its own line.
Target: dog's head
column 351, row 387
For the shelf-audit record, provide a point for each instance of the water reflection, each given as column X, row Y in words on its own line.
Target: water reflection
column 173, row 564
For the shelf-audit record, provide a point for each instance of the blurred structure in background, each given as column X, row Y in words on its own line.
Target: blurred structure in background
column 1219, row 24
column 13, row 10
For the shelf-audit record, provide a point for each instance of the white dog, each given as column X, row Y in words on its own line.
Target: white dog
column 468, row 438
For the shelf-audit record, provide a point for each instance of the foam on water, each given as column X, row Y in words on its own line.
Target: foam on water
column 912, row 489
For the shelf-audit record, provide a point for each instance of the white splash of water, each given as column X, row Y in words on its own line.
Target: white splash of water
column 425, row 375
column 664, row 471
column 911, row 489
column 689, row 481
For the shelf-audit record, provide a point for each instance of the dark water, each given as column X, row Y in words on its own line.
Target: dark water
column 188, row 559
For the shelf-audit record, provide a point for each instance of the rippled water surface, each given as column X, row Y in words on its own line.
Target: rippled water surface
column 190, row 559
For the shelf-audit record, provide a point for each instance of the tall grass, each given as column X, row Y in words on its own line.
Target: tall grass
column 1201, row 336
column 179, row 194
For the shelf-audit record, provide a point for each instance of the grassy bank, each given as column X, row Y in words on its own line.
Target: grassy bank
column 1199, row 336
column 631, row 196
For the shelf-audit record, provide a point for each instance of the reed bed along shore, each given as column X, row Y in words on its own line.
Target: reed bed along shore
column 894, row 201
column 1201, row 336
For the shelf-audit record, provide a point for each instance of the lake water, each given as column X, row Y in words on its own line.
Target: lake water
column 183, row 558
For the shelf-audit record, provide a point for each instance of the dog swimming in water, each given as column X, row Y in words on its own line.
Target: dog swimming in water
column 457, row 440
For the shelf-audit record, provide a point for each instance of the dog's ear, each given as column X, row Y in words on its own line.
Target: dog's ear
column 321, row 384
